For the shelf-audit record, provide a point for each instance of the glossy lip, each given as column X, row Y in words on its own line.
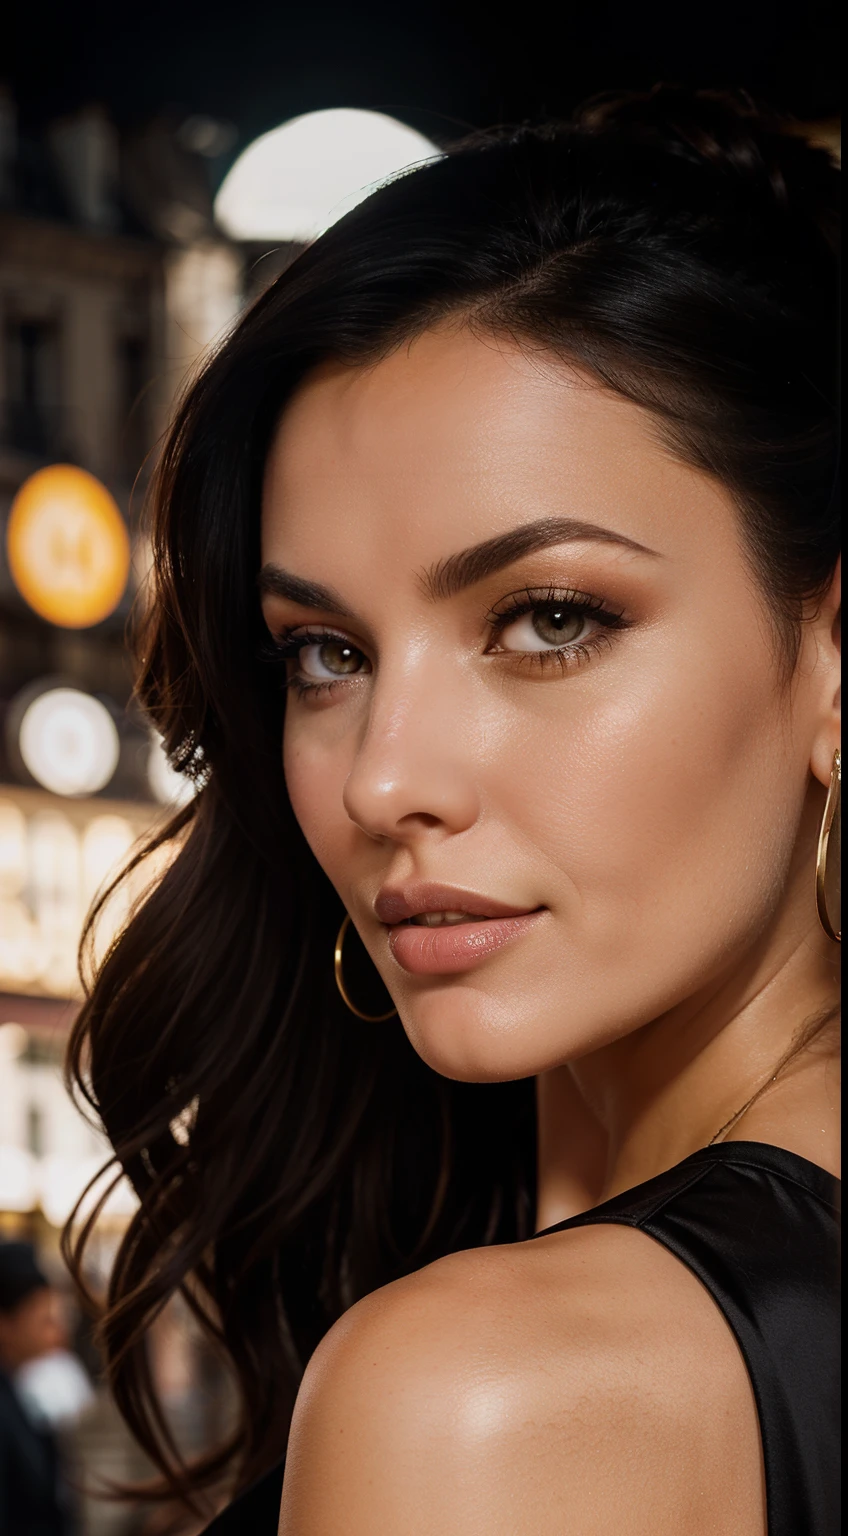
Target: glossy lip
column 458, row 947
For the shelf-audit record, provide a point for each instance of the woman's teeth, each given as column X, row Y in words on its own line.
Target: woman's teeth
column 442, row 919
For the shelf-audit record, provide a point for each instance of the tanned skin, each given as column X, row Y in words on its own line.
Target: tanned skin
column 653, row 794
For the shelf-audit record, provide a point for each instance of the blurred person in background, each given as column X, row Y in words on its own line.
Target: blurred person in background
column 497, row 622
column 33, row 1498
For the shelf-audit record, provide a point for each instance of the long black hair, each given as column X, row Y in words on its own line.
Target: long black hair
column 287, row 1157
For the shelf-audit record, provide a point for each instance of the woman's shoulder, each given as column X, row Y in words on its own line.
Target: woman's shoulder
column 523, row 1388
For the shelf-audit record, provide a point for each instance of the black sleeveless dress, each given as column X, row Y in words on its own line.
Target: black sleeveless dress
column 759, row 1227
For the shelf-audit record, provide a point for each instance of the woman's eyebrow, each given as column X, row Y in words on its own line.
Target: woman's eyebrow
column 451, row 575
column 455, row 572
column 273, row 581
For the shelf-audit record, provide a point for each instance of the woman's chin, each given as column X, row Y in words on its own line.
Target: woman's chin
column 471, row 1035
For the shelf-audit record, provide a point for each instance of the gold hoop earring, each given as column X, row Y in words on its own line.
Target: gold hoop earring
column 832, row 814
column 370, row 1018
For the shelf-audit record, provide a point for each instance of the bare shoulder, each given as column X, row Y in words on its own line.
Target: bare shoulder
column 585, row 1381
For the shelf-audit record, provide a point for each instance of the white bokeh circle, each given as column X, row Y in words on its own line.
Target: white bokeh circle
column 69, row 742
column 297, row 180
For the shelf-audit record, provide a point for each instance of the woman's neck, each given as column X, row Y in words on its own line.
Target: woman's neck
column 645, row 1102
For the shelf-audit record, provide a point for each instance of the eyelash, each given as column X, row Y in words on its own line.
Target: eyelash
column 286, row 647
column 573, row 653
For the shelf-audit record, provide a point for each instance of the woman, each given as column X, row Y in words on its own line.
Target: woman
column 497, row 620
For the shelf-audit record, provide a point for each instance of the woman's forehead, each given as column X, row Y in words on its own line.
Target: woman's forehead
column 475, row 398
column 454, row 439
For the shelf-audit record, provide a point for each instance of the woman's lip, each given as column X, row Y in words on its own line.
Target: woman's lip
column 455, row 947
column 397, row 904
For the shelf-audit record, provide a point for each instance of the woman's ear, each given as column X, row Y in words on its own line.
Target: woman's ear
column 828, row 634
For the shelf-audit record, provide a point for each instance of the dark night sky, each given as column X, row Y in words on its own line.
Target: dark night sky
column 440, row 67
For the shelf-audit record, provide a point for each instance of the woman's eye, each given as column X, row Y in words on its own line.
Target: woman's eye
column 544, row 629
column 322, row 660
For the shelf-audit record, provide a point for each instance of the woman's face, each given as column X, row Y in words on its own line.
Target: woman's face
column 534, row 730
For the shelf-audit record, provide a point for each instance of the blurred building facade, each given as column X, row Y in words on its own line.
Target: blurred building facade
column 113, row 282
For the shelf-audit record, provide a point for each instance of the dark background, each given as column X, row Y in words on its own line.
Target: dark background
column 442, row 68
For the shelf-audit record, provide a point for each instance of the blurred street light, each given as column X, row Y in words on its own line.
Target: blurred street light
column 292, row 183
column 68, row 742
column 68, row 547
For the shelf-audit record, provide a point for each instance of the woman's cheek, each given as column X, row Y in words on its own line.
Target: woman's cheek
column 315, row 779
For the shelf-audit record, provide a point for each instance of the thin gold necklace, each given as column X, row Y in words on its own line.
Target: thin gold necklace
column 802, row 1038
column 735, row 1118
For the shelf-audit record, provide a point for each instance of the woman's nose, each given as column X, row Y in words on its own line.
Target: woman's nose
column 414, row 773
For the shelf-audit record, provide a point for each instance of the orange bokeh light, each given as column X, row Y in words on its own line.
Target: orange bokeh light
column 68, row 547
